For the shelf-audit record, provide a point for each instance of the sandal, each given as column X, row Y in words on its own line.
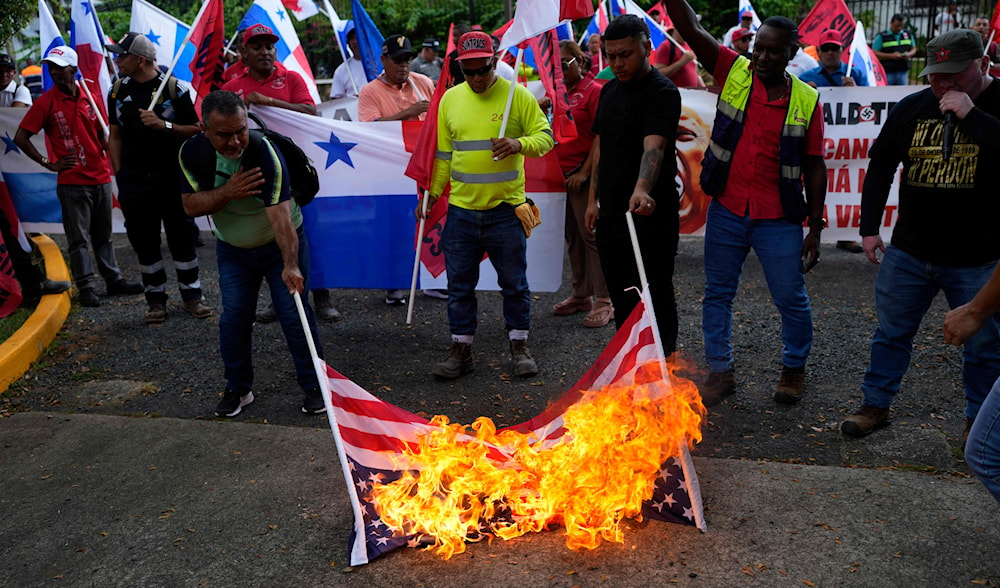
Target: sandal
column 572, row 305
column 600, row 316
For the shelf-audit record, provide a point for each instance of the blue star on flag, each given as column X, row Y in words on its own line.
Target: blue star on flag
column 281, row 14
column 336, row 151
column 153, row 37
column 86, row 7
column 10, row 146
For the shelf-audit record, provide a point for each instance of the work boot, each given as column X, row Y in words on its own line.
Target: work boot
column 324, row 309
column 88, row 298
column 791, row 387
column 717, row 386
column 865, row 421
column 53, row 286
column 524, row 365
column 123, row 287
column 458, row 362
column 156, row 314
column 197, row 308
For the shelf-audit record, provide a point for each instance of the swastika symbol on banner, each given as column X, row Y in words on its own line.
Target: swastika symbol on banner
column 866, row 114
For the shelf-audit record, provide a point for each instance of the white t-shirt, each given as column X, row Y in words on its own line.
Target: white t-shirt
column 506, row 71
column 801, row 63
column 342, row 85
column 15, row 92
column 946, row 21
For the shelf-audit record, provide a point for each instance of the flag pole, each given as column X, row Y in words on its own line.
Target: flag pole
column 324, row 384
column 331, row 13
column 645, row 294
column 854, row 49
column 82, row 83
column 510, row 95
column 177, row 56
column 416, row 257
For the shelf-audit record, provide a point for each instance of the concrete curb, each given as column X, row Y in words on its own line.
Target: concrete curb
column 26, row 345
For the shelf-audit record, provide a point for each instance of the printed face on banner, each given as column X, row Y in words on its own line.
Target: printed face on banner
column 692, row 140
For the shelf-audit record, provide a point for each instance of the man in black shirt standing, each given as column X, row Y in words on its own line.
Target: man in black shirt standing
column 635, row 167
column 143, row 148
column 945, row 234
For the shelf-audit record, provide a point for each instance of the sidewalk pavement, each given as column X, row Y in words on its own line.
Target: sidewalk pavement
column 121, row 501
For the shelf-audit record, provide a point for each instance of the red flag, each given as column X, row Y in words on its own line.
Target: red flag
column 549, row 66
column 10, row 290
column 995, row 20
column 373, row 433
column 576, row 9
column 209, row 39
column 827, row 14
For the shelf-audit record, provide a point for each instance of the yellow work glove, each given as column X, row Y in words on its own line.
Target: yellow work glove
column 529, row 215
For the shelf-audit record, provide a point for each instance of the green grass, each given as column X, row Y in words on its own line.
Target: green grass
column 12, row 322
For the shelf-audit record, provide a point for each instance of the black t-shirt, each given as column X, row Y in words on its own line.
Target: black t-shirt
column 146, row 150
column 626, row 114
column 948, row 211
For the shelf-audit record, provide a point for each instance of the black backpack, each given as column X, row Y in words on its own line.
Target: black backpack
column 303, row 177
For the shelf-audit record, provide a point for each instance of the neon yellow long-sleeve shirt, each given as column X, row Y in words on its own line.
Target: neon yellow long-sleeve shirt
column 466, row 123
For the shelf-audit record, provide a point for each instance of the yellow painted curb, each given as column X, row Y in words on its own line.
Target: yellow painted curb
column 26, row 345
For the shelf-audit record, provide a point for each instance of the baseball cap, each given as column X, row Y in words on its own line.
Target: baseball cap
column 746, row 13
column 136, row 44
column 741, row 33
column 432, row 43
column 6, row 61
column 61, row 56
column 475, row 44
column 830, row 37
column 953, row 51
column 259, row 31
column 397, row 46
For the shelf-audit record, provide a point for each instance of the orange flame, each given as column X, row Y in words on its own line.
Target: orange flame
column 596, row 475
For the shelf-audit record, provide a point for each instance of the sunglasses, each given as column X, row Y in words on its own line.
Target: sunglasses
column 829, row 48
column 483, row 71
column 566, row 64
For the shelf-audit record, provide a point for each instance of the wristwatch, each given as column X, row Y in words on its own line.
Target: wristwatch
column 817, row 223
column 168, row 126
column 44, row 161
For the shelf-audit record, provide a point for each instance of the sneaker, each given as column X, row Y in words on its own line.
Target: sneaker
column 54, row 286
column 88, row 298
column 313, row 402
column 232, row 403
column 156, row 314
column 865, row 421
column 717, row 386
column 197, row 308
column 326, row 311
column 396, row 297
column 439, row 293
column 121, row 286
column 792, row 385
column 267, row 315
column 458, row 362
column 524, row 365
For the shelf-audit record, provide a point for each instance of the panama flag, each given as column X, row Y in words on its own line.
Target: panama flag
column 361, row 224
column 371, row 434
column 289, row 51
column 31, row 187
column 863, row 58
column 167, row 33
column 50, row 37
column 88, row 40
column 302, row 9
column 534, row 17
column 656, row 32
column 596, row 25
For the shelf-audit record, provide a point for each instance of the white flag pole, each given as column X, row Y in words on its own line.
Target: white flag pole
column 331, row 13
column 854, row 49
column 177, row 56
column 510, row 95
column 90, row 98
column 645, row 294
column 416, row 257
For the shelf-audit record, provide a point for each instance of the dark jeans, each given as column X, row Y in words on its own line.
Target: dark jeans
column 657, row 235
column 240, row 274
column 147, row 201
column 86, row 212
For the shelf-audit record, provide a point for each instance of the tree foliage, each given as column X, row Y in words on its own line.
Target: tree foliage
column 14, row 16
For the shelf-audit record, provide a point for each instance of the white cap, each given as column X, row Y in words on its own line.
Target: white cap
column 62, row 56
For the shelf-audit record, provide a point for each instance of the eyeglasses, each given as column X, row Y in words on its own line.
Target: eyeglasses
column 566, row 64
column 829, row 48
column 483, row 71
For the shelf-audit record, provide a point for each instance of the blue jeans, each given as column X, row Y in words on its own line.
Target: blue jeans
column 904, row 290
column 778, row 245
column 468, row 235
column 982, row 451
column 240, row 273
column 897, row 78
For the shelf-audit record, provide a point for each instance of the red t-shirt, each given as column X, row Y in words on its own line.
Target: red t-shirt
column 234, row 70
column 281, row 84
column 583, row 105
column 70, row 125
column 687, row 76
column 755, row 159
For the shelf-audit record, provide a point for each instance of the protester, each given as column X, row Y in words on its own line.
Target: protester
column 948, row 20
column 943, row 238
column 597, row 59
column 83, row 185
column 428, row 62
column 457, row 31
column 741, row 42
column 675, row 60
column 397, row 94
column 266, row 81
column 575, row 158
column 349, row 77
column 487, row 209
column 746, row 22
column 757, row 174
column 11, row 92
column 895, row 48
column 31, row 76
column 636, row 128
column 258, row 226
column 234, row 59
column 982, row 26
column 982, row 448
column 143, row 148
